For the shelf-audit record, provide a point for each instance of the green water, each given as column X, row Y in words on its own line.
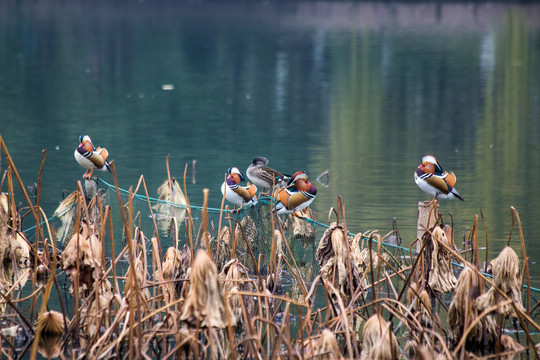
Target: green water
column 362, row 90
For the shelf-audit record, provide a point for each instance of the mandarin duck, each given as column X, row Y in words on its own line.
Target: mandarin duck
column 298, row 195
column 91, row 158
column 265, row 177
column 234, row 192
column 431, row 178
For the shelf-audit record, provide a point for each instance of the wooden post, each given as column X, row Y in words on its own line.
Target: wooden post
column 428, row 213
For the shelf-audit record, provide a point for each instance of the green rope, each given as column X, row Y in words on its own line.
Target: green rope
column 51, row 219
column 182, row 206
column 266, row 200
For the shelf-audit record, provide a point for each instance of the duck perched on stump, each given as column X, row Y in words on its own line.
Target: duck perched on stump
column 430, row 177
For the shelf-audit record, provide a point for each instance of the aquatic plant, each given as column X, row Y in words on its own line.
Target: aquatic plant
column 324, row 348
column 506, row 278
column 336, row 259
column 378, row 340
column 204, row 304
column 463, row 313
column 172, row 207
column 14, row 249
column 224, row 285
column 439, row 274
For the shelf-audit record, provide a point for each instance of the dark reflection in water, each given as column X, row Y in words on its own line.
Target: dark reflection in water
column 362, row 90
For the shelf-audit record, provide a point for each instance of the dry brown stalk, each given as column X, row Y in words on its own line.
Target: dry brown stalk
column 45, row 299
column 526, row 275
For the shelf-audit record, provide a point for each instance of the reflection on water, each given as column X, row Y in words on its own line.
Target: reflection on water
column 362, row 90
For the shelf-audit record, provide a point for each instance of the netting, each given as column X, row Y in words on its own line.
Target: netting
column 251, row 228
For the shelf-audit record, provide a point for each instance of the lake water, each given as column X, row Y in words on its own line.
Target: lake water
column 361, row 90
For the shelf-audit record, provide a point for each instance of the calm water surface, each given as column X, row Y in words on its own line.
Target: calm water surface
column 362, row 90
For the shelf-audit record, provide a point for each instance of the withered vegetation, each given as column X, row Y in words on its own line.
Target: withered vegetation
column 90, row 283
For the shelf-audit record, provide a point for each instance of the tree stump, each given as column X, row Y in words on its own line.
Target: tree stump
column 428, row 213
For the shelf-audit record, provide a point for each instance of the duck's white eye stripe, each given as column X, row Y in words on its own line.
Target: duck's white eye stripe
column 430, row 159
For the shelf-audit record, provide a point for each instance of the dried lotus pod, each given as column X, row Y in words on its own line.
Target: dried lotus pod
column 50, row 346
column 250, row 229
column 361, row 255
column 416, row 351
column 171, row 262
column 171, row 192
column 182, row 272
column 89, row 257
column 280, row 241
column 510, row 348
